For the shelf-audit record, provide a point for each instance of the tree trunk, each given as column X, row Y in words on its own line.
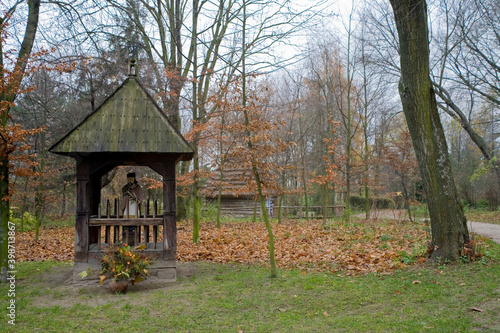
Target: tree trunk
column 448, row 222
column 40, row 202
column 8, row 95
column 4, row 211
column 256, row 174
column 196, row 160
column 306, row 198
column 269, row 228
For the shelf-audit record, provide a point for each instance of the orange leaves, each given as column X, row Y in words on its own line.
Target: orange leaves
column 304, row 245
column 310, row 246
column 332, row 159
column 53, row 244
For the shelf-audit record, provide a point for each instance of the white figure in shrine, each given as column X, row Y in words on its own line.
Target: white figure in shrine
column 132, row 197
column 131, row 206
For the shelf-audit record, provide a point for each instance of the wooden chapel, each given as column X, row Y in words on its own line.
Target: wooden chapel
column 127, row 129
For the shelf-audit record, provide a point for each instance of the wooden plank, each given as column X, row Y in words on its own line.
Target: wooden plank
column 169, row 207
column 107, row 233
column 98, row 238
column 126, row 222
column 155, row 235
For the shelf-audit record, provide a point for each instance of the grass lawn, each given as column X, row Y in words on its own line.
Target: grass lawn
column 210, row 297
column 483, row 216
column 366, row 276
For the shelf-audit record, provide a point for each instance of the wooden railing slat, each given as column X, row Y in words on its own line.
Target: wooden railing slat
column 126, row 221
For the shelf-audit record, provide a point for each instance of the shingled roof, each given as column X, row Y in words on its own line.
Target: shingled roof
column 129, row 121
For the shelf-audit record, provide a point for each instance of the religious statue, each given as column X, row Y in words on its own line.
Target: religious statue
column 131, row 205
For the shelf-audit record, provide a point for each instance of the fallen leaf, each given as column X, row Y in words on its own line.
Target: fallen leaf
column 476, row 309
column 416, row 282
column 325, row 314
column 307, row 247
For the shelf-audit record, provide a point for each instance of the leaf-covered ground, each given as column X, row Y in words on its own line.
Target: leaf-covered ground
column 363, row 247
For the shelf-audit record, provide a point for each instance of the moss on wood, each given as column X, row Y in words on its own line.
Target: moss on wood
column 128, row 121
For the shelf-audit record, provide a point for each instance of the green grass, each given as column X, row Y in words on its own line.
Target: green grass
column 478, row 215
column 232, row 298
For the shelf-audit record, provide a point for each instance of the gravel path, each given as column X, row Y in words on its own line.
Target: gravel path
column 485, row 229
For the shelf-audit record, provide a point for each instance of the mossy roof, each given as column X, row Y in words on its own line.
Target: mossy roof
column 129, row 121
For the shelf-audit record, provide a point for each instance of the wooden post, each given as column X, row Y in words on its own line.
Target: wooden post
column 116, row 234
column 83, row 200
column 107, row 233
column 95, row 203
column 146, row 228
column 169, row 226
column 99, row 237
column 155, row 236
column 137, row 235
column 117, row 209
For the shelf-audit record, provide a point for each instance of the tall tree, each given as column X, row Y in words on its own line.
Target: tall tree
column 448, row 222
column 10, row 82
column 469, row 69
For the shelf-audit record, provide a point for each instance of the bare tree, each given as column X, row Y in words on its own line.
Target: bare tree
column 468, row 67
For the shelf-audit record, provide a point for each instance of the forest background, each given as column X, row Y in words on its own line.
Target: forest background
column 318, row 81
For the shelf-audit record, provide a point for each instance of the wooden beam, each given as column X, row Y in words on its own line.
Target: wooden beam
column 169, row 207
column 126, row 221
column 84, row 202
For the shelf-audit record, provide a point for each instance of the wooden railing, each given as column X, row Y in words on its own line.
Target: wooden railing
column 111, row 226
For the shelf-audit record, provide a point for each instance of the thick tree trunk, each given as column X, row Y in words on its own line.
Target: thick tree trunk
column 448, row 222
column 8, row 95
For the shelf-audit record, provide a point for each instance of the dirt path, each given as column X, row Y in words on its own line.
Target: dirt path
column 485, row 229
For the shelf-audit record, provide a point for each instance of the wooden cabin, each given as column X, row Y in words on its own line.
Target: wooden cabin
column 236, row 199
column 127, row 129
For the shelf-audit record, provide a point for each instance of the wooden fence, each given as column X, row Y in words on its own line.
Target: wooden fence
column 112, row 226
column 315, row 212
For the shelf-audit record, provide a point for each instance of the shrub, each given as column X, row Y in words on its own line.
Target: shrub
column 123, row 262
column 209, row 211
column 26, row 222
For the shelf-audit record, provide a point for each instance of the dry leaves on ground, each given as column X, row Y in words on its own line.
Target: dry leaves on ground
column 359, row 248
column 53, row 244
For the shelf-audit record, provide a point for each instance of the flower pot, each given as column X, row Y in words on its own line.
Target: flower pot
column 118, row 287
